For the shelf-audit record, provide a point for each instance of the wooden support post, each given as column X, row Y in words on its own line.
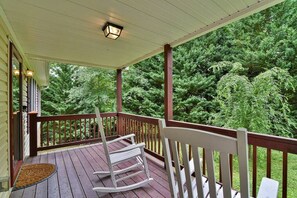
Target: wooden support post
column 168, row 104
column 119, row 90
column 119, row 100
column 33, row 133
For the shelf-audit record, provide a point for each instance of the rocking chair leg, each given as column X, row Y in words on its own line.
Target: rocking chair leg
column 145, row 164
column 122, row 188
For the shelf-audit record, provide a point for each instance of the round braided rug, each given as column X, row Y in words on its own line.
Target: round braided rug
column 32, row 174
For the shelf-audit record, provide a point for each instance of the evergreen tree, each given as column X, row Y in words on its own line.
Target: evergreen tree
column 94, row 87
column 55, row 97
column 143, row 90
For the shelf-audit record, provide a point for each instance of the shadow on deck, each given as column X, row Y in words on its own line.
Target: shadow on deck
column 74, row 176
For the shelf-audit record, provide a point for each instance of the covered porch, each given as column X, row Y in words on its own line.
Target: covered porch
column 73, row 38
column 81, row 130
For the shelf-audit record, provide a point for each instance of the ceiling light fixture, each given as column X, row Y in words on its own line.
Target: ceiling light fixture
column 29, row 73
column 112, row 31
column 16, row 72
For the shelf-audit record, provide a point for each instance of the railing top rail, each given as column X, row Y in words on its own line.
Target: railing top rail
column 147, row 119
column 72, row 117
column 268, row 141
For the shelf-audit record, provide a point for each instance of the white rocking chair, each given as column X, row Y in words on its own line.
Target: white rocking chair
column 201, row 186
column 133, row 151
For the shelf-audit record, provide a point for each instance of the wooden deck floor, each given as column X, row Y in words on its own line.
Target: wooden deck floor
column 74, row 176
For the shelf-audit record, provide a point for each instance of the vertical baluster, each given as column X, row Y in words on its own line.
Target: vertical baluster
column 47, row 134
column 129, row 126
column 151, row 137
column 268, row 163
column 285, row 174
column 65, row 131
column 75, row 130
column 94, row 128
column 114, row 126
column 159, row 142
column 155, row 138
column 110, row 126
column 143, row 134
column 136, row 130
column 254, row 191
column 41, row 134
column 54, row 132
column 148, row 134
column 124, row 125
column 85, row 128
column 70, row 130
column 140, row 131
column 59, row 131
column 132, row 126
column 106, row 127
column 80, row 129
column 89, row 128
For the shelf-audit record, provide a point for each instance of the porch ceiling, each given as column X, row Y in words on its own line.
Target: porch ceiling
column 70, row 30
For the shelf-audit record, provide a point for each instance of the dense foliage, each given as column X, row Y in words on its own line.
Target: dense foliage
column 74, row 90
column 241, row 75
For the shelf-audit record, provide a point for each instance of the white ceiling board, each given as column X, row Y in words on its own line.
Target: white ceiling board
column 165, row 13
column 70, row 30
column 127, row 14
column 86, row 16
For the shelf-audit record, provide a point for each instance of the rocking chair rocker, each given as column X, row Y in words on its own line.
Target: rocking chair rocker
column 133, row 151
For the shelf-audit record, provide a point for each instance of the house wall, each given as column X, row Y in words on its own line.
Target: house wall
column 4, row 104
column 4, row 94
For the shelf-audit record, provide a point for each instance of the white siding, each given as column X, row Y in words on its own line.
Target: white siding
column 4, row 129
column 25, row 115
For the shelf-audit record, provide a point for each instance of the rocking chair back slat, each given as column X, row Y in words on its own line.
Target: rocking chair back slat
column 210, row 142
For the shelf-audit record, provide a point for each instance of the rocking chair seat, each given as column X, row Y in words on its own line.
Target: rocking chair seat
column 118, row 157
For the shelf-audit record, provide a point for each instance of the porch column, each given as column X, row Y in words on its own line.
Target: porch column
column 168, row 104
column 119, row 90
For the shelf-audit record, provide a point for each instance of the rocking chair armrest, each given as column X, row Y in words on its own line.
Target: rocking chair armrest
column 130, row 147
column 268, row 188
column 131, row 136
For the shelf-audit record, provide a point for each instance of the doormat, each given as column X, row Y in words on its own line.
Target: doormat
column 32, row 174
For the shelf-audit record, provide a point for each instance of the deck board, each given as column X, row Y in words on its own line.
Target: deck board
column 64, row 185
column 52, row 182
column 74, row 176
column 41, row 188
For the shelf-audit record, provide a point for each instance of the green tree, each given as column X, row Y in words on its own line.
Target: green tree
column 94, row 87
column 143, row 90
column 55, row 97
column 257, row 104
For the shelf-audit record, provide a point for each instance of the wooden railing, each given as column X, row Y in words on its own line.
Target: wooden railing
column 82, row 129
column 145, row 129
column 48, row 132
